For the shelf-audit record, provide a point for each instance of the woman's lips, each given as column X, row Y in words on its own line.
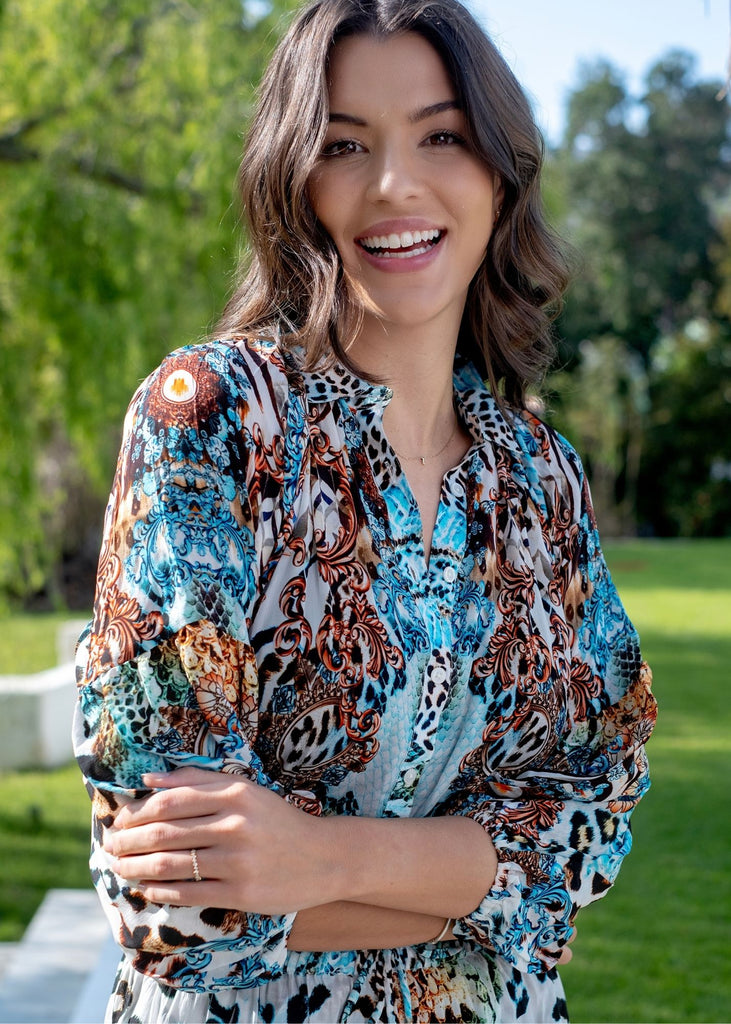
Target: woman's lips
column 402, row 250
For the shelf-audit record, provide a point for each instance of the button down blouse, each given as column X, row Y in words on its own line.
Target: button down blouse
column 265, row 606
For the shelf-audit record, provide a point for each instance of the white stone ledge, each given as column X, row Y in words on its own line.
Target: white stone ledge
column 63, row 968
column 35, row 718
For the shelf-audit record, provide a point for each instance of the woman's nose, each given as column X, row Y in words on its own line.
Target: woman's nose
column 394, row 176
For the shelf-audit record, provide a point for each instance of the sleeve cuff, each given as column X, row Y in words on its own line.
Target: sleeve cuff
column 525, row 924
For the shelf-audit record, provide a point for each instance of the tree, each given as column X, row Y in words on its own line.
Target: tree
column 601, row 406
column 120, row 133
column 642, row 176
column 644, row 180
column 685, row 487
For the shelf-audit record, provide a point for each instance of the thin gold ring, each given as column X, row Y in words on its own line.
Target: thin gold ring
column 196, row 869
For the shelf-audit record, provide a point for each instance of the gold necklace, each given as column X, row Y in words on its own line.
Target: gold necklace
column 423, row 458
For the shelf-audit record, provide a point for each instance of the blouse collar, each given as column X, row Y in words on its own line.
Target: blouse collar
column 476, row 405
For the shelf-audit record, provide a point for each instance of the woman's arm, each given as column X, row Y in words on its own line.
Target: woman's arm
column 376, row 883
column 409, row 873
column 358, row 926
column 258, row 853
column 343, row 925
column 559, row 821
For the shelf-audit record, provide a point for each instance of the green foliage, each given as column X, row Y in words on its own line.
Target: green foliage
column 687, row 456
column 641, row 175
column 647, row 406
column 601, row 409
column 120, row 133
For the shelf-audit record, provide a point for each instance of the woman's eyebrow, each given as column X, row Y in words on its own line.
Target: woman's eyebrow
column 335, row 118
column 432, row 109
column 418, row 115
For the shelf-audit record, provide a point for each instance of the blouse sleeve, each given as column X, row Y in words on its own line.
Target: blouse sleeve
column 166, row 673
column 561, row 826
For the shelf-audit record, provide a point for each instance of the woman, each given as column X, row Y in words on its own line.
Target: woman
column 360, row 709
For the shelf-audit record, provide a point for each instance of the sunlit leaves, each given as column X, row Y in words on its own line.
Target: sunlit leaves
column 120, row 133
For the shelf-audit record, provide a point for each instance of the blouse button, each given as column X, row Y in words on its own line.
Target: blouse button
column 449, row 574
column 410, row 776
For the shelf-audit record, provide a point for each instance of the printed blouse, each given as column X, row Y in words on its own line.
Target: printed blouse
column 265, row 607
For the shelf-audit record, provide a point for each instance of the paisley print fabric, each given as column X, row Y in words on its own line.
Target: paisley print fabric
column 265, row 606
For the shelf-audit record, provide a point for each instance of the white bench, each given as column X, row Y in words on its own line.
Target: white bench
column 36, row 710
column 35, row 718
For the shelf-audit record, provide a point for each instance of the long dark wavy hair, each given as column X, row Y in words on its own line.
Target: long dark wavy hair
column 293, row 285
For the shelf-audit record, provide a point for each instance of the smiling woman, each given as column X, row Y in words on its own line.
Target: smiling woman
column 295, row 285
column 361, row 711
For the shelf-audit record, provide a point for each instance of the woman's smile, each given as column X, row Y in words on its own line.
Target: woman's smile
column 401, row 246
column 407, row 243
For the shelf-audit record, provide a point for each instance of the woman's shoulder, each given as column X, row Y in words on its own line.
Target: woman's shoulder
column 550, row 458
column 234, row 361
column 237, row 373
column 544, row 442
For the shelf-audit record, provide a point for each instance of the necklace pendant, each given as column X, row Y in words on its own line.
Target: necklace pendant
column 423, row 460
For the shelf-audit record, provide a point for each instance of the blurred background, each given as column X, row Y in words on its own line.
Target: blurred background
column 120, row 132
column 120, row 135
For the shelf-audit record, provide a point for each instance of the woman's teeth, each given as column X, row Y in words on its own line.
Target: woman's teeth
column 408, row 243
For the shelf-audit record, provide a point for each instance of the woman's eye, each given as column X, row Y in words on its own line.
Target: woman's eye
column 445, row 139
column 341, row 147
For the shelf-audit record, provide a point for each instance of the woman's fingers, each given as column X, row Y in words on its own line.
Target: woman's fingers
column 181, row 777
column 265, row 855
column 170, row 866
column 189, row 801
column 165, row 806
column 160, row 836
column 188, row 894
column 183, row 895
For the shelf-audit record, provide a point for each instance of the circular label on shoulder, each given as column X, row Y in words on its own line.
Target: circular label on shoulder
column 180, row 386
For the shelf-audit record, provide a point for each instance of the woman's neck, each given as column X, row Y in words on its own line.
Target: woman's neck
column 417, row 365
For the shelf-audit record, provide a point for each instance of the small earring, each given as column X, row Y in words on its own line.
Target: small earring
column 497, row 216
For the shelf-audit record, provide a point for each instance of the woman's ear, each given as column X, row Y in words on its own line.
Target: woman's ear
column 497, row 201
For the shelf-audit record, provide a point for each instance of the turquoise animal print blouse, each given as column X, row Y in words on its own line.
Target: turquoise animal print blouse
column 264, row 606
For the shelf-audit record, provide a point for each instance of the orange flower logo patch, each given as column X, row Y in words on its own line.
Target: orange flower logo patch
column 180, row 387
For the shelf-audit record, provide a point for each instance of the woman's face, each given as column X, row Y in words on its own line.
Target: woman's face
column 408, row 205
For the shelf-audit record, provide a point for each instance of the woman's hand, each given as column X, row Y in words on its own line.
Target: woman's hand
column 567, row 954
column 255, row 851
column 260, row 854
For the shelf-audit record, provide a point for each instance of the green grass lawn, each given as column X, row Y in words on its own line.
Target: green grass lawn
column 28, row 641
column 656, row 948
column 44, row 815
column 44, row 841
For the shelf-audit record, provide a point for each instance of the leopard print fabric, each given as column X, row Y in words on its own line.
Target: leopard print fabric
column 265, row 606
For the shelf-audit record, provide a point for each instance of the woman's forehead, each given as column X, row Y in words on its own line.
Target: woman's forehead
column 402, row 72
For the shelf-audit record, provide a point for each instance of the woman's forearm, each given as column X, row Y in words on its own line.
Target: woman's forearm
column 439, row 867
column 400, row 879
column 260, row 854
column 343, row 925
